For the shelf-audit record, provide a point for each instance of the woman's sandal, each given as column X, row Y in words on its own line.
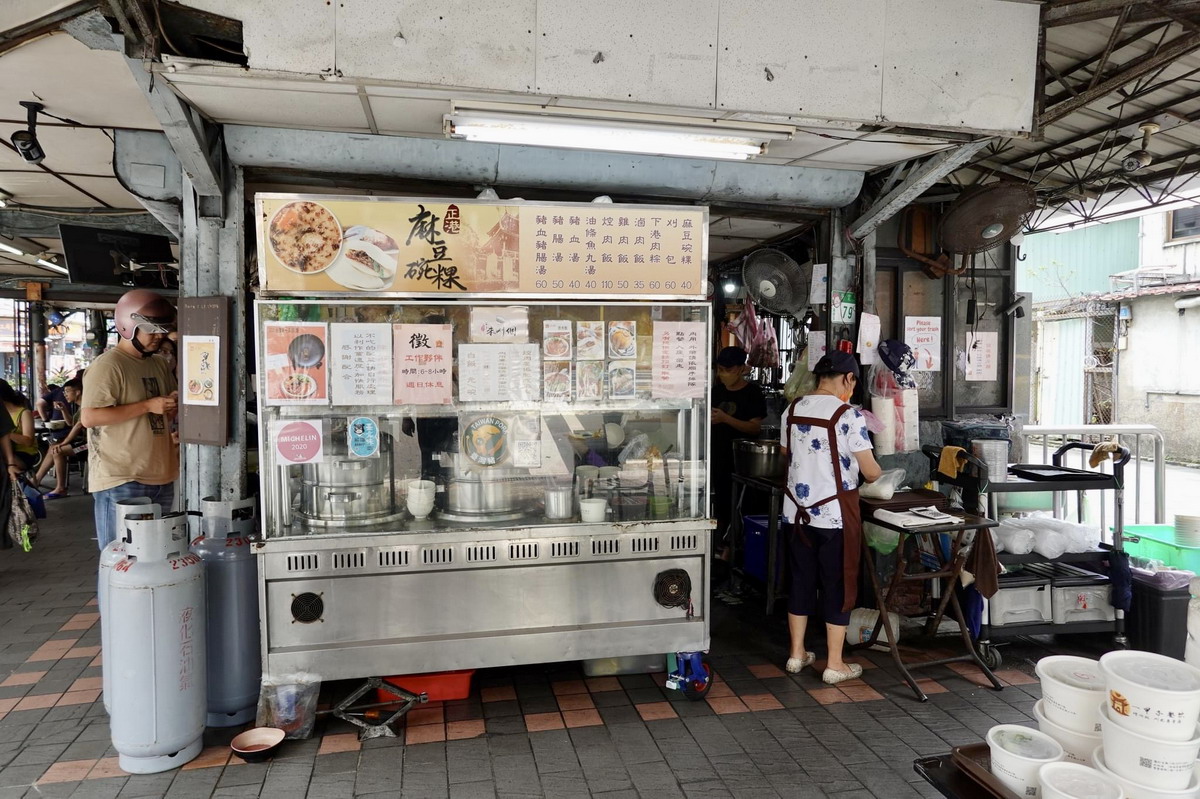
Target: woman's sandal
column 55, row 495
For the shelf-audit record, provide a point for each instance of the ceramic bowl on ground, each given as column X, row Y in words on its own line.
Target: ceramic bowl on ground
column 1018, row 753
column 1078, row 746
column 1158, row 764
column 1074, row 781
column 1071, row 690
column 1153, row 695
column 258, row 744
column 1135, row 790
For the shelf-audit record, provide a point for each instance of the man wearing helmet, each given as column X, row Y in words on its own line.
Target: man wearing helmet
column 129, row 403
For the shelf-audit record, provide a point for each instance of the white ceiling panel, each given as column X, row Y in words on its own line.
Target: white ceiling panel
column 79, row 150
column 297, row 36
column 772, row 59
column 484, row 44
column 22, row 12
column 873, row 153
column 268, row 105
column 39, row 188
column 647, row 51
column 407, row 115
column 109, row 190
column 94, row 87
column 960, row 64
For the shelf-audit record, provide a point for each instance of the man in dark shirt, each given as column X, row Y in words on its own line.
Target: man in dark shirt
column 738, row 408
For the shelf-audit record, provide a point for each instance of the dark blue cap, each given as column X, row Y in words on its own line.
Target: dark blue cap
column 837, row 362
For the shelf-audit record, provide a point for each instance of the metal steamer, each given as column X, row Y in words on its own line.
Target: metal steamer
column 231, row 575
column 156, row 648
column 345, row 491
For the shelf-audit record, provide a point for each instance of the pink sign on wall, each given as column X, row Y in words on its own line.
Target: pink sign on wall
column 300, row 442
column 423, row 364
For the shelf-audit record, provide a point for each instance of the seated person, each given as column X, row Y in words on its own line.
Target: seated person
column 46, row 406
column 24, row 440
column 74, row 441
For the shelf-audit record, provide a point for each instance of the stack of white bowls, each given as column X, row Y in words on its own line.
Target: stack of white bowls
column 1150, row 725
column 1072, row 690
column 1187, row 530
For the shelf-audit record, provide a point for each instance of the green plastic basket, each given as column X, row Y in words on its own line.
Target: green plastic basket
column 1158, row 543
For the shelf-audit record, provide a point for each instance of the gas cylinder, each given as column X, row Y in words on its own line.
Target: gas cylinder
column 231, row 574
column 155, row 649
column 112, row 553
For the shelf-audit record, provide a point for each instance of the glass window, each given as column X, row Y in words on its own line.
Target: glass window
column 1185, row 222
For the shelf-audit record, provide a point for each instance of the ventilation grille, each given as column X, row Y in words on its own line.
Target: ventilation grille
column 647, row 543
column 683, row 542
column 606, row 546
column 481, row 553
column 437, row 555
column 303, row 562
column 307, row 607
column 523, row 551
column 393, row 557
column 349, row 560
column 564, row 549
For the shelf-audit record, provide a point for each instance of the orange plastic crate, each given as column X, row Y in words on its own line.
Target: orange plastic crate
column 441, row 686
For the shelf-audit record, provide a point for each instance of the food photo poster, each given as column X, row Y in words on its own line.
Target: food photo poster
column 297, row 363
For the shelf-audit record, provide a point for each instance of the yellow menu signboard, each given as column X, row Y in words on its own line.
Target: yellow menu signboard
column 354, row 245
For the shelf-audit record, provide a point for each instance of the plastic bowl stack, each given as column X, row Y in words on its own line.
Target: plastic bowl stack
column 1072, row 690
column 1150, row 725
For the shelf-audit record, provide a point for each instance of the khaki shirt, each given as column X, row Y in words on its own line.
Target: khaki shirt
column 138, row 449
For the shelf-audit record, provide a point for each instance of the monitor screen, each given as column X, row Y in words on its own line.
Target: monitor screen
column 118, row 258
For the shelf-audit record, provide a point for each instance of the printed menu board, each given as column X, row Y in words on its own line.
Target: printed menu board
column 679, row 370
column 199, row 359
column 424, row 365
column 349, row 245
column 296, row 363
column 361, row 364
column 499, row 372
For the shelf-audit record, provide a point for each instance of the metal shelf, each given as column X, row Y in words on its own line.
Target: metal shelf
column 1050, row 628
column 1018, row 485
column 1009, row 559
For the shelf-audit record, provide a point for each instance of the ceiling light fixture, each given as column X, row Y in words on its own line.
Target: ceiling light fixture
column 55, row 267
column 26, row 140
column 10, row 249
column 5, row 198
column 627, row 133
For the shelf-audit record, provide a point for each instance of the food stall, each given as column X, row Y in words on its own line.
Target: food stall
column 483, row 433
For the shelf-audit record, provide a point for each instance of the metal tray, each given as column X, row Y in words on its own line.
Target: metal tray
column 975, row 761
column 1046, row 473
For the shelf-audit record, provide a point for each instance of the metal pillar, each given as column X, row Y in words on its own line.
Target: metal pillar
column 37, row 350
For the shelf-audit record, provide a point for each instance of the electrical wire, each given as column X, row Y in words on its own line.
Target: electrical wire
column 863, row 138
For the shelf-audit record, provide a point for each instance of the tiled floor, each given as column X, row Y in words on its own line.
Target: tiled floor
column 530, row 731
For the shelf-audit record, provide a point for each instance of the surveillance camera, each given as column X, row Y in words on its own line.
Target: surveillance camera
column 1139, row 159
column 28, row 147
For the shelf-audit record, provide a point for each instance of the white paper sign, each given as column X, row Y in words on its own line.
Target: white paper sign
column 868, row 337
column 679, row 369
column 500, row 324
column 816, row 348
column 360, row 361
column 923, row 334
column 981, row 356
column 499, row 372
column 423, row 364
column 820, row 280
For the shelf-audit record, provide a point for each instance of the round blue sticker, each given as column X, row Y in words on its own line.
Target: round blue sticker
column 363, row 437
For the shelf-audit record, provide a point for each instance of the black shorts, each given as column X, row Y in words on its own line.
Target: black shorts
column 817, row 569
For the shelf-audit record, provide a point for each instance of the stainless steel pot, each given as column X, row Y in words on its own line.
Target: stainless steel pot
column 346, row 503
column 559, row 502
column 464, row 495
column 762, row 458
column 347, row 472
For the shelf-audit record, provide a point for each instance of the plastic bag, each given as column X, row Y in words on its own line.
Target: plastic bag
column 1013, row 538
column 885, row 486
column 802, row 381
column 1049, row 543
column 289, row 702
column 880, row 539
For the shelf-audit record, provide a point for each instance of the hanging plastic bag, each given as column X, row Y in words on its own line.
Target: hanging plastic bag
column 764, row 351
column 745, row 326
column 289, row 702
column 801, row 381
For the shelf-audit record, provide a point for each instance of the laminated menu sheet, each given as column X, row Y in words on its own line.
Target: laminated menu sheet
column 499, row 372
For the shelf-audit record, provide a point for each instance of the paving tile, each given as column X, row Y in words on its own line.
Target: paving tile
column 1015, row 677
column 726, row 704
column 342, row 742
column 861, row 693
column 460, row 730
column 425, row 715
column 67, row 771
column 82, row 652
column 654, row 711
column 498, row 693
column 761, row 702
column 539, row 722
column 23, row 678
column 426, row 733
column 36, row 702
column 828, row 696
column 764, row 671
column 111, row 767
column 78, row 697
column 582, row 718
column 601, row 684
column 569, row 687
column 87, row 684
column 575, row 702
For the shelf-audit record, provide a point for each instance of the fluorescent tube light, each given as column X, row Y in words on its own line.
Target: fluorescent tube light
column 10, row 249
column 611, row 134
column 49, row 265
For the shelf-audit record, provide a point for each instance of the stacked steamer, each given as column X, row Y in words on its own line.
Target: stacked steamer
column 1149, row 721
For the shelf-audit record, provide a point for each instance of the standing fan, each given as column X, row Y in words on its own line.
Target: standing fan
column 984, row 217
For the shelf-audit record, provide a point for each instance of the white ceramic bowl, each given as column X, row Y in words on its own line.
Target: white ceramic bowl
column 1151, row 694
column 1074, row 781
column 1017, row 754
column 1078, row 746
column 592, row 510
column 1135, row 790
column 1158, row 764
column 1072, row 687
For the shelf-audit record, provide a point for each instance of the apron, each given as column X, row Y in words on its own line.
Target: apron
column 847, row 500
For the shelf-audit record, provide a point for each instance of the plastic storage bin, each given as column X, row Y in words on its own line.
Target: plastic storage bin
column 442, row 686
column 1077, row 594
column 1022, row 599
column 755, row 548
column 1157, row 620
column 1158, row 543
